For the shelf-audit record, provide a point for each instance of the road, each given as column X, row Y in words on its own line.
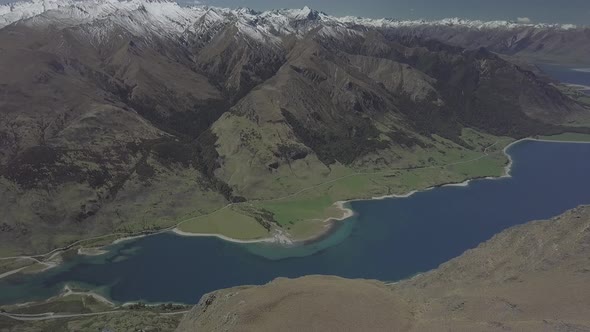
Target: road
column 51, row 315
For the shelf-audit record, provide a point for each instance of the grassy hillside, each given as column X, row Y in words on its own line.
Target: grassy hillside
column 302, row 213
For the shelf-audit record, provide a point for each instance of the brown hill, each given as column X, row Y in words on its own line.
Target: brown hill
column 532, row 277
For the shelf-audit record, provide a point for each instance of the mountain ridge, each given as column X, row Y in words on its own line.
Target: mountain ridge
column 132, row 116
column 26, row 9
column 562, row 43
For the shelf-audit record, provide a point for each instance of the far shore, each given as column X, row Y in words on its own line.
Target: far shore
column 347, row 212
column 579, row 86
column 278, row 237
column 281, row 236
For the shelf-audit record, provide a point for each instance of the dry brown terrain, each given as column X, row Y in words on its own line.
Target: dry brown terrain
column 534, row 277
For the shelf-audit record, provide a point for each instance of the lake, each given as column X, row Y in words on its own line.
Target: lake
column 577, row 75
column 387, row 239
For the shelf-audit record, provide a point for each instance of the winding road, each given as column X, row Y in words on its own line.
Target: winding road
column 51, row 315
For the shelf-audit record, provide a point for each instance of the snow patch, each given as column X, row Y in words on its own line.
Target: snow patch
column 169, row 19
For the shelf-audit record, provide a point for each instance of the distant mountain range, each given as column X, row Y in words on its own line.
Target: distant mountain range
column 120, row 113
column 555, row 42
column 77, row 9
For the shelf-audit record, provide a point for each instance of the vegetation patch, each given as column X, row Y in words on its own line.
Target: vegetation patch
column 302, row 214
column 228, row 222
column 344, row 146
column 567, row 137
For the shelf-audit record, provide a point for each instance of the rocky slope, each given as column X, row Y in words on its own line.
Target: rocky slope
column 132, row 115
column 532, row 277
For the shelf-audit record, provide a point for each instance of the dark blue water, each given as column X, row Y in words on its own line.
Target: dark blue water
column 388, row 239
column 568, row 75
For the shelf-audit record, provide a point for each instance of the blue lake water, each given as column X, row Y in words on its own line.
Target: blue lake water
column 388, row 239
column 578, row 75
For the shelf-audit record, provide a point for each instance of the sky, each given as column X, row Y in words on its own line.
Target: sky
column 546, row 11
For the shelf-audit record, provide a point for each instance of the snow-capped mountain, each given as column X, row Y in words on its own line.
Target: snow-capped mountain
column 163, row 18
column 139, row 16
column 105, row 21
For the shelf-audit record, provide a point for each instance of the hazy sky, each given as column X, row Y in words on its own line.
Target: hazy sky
column 549, row 11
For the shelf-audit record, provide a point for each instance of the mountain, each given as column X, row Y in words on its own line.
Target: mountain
column 532, row 277
column 562, row 44
column 130, row 116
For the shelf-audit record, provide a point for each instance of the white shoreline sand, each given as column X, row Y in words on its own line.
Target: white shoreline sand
column 578, row 86
column 177, row 231
column 278, row 236
column 346, row 212
column 128, row 238
column 91, row 251
column 68, row 292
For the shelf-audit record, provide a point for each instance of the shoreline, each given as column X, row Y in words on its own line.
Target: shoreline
column 277, row 236
column 465, row 183
column 128, row 238
column 332, row 224
column 179, row 232
column 68, row 291
column 347, row 212
column 91, row 251
column 581, row 87
column 281, row 236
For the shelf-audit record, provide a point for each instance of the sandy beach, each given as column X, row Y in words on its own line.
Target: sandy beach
column 278, row 236
column 219, row 236
column 128, row 238
column 579, row 86
column 68, row 292
column 346, row 212
column 91, row 251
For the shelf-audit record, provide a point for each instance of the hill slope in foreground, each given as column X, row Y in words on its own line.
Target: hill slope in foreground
column 134, row 116
column 534, row 277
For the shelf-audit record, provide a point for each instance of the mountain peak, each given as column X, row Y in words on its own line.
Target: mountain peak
column 167, row 14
